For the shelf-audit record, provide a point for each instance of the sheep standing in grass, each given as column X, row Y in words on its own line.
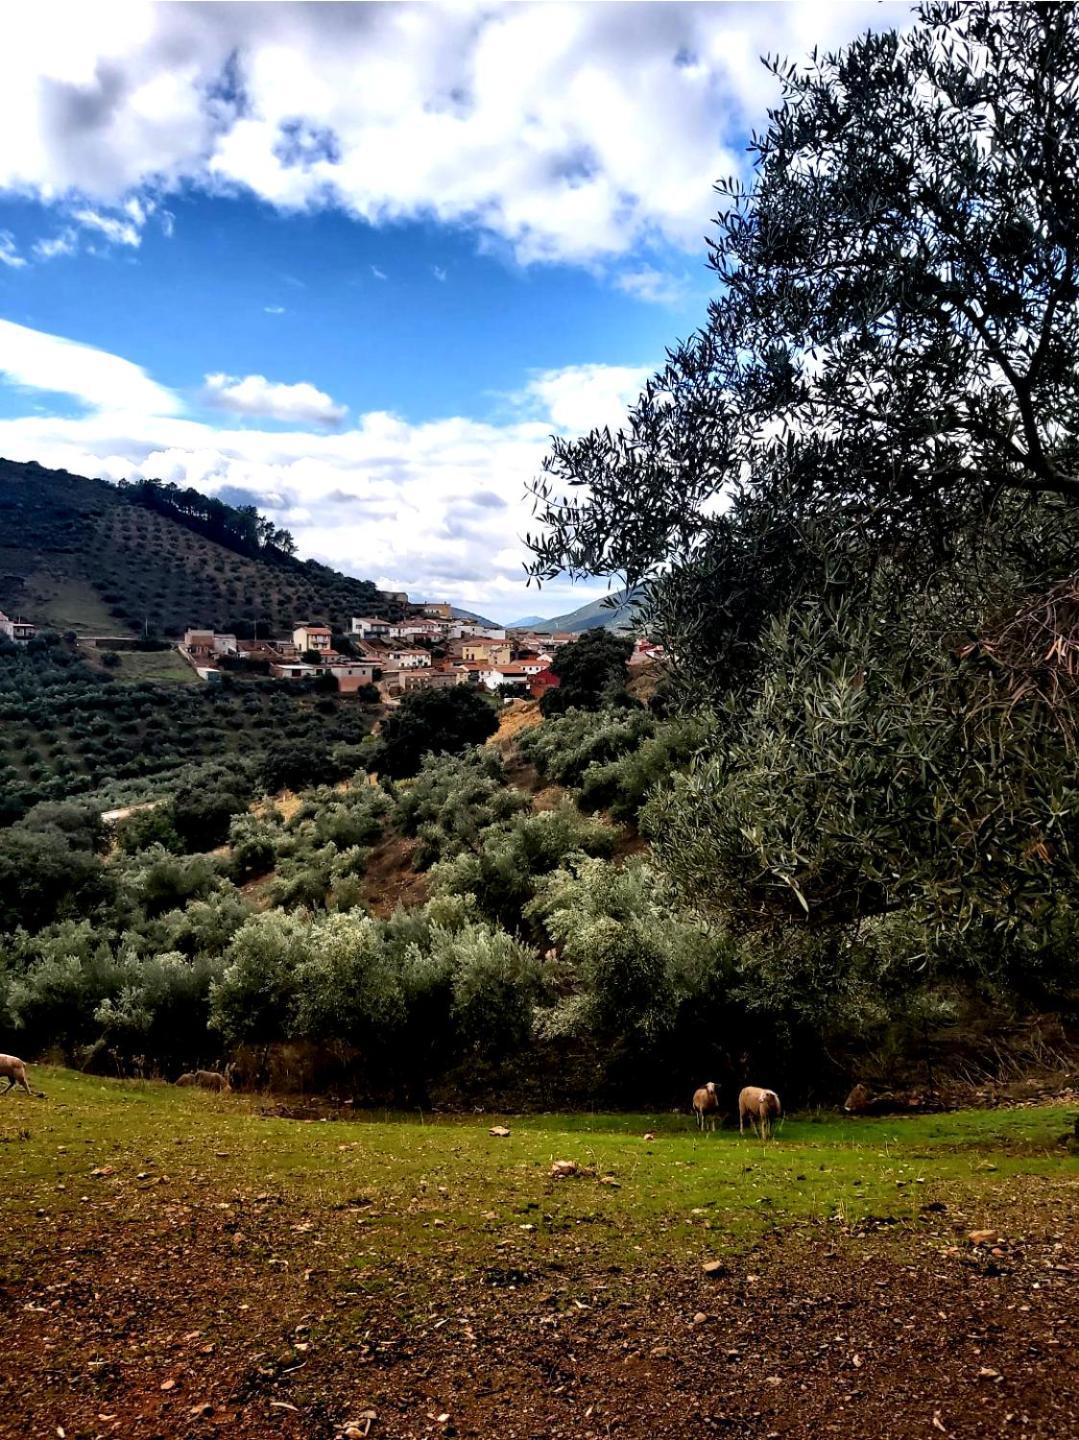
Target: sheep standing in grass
column 13, row 1070
column 705, row 1104
column 205, row 1079
column 762, row 1107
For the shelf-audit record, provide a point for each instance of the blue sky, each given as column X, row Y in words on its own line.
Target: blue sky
column 358, row 263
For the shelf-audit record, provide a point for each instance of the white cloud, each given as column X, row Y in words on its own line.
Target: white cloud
column 9, row 253
column 569, row 131
column 32, row 359
column 255, row 395
column 658, row 287
column 438, row 272
column 377, row 273
column 579, row 397
column 126, row 231
column 65, row 243
column 274, row 309
column 437, row 508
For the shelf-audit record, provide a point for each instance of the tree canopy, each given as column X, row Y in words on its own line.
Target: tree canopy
column 892, row 361
column 591, row 672
column 432, row 722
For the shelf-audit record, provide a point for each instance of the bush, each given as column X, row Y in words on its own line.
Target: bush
column 252, row 1000
column 163, row 881
column 502, row 874
column 453, row 800
column 438, row 721
column 146, row 828
column 592, row 671
column 293, row 766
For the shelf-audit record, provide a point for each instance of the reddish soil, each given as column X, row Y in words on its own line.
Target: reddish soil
column 245, row 1319
column 389, row 879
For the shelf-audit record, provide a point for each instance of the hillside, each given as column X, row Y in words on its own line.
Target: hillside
column 594, row 615
column 76, row 554
column 69, row 727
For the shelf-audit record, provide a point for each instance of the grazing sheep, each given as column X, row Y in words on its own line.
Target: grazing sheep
column 762, row 1107
column 13, row 1070
column 205, row 1079
column 705, row 1104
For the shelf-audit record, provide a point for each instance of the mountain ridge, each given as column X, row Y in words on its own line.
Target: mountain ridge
column 597, row 614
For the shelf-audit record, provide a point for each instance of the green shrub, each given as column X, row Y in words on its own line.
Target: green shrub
column 433, row 722
column 502, row 874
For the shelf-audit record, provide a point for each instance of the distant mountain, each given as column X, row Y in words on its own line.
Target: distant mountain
column 83, row 555
column 476, row 619
column 597, row 614
column 527, row 622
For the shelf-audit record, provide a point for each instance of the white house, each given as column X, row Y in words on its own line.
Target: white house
column 20, row 631
column 371, row 627
column 312, row 637
column 408, row 659
column 512, row 672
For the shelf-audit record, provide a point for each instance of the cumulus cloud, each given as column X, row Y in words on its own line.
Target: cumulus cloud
column 255, row 395
column 569, row 131
column 577, row 398
column 437, row 508
column 32, row 359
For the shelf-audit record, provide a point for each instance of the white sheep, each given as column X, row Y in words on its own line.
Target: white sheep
column 13, row 1070
column 762, row 1108
column 705, row 1104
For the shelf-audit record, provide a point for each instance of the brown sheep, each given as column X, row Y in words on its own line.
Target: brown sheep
column 705, row 1104
column 205, row 1079
column 762, row 1107
column 13, row 1070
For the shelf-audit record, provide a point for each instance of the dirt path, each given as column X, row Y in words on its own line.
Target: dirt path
column 243, row 1318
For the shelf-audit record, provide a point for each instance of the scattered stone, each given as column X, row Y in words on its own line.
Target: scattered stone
column 700, row 1318
column 649, row 1135
column 715, row 1269
column 498, row 1131
column 982, row 1237
column 360, row 1427
column 564, row 1169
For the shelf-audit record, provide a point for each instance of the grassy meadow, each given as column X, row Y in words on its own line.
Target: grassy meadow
column 190, row 1264
column 444, row 1184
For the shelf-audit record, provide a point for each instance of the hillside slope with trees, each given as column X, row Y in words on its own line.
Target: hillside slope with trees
column 92, row 557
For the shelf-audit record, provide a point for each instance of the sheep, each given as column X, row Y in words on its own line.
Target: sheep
column 205, row 1079
column 13, row 1070
column 705, row 1104
column 762, row 1107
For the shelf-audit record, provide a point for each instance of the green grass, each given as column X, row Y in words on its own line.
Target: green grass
column 62, row 602
column 681, row 1194
column 164, row 666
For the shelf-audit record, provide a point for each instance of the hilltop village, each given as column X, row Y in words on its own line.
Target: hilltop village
column 378, row 659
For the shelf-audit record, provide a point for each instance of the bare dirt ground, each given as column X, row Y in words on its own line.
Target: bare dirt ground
column 236, row 1319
